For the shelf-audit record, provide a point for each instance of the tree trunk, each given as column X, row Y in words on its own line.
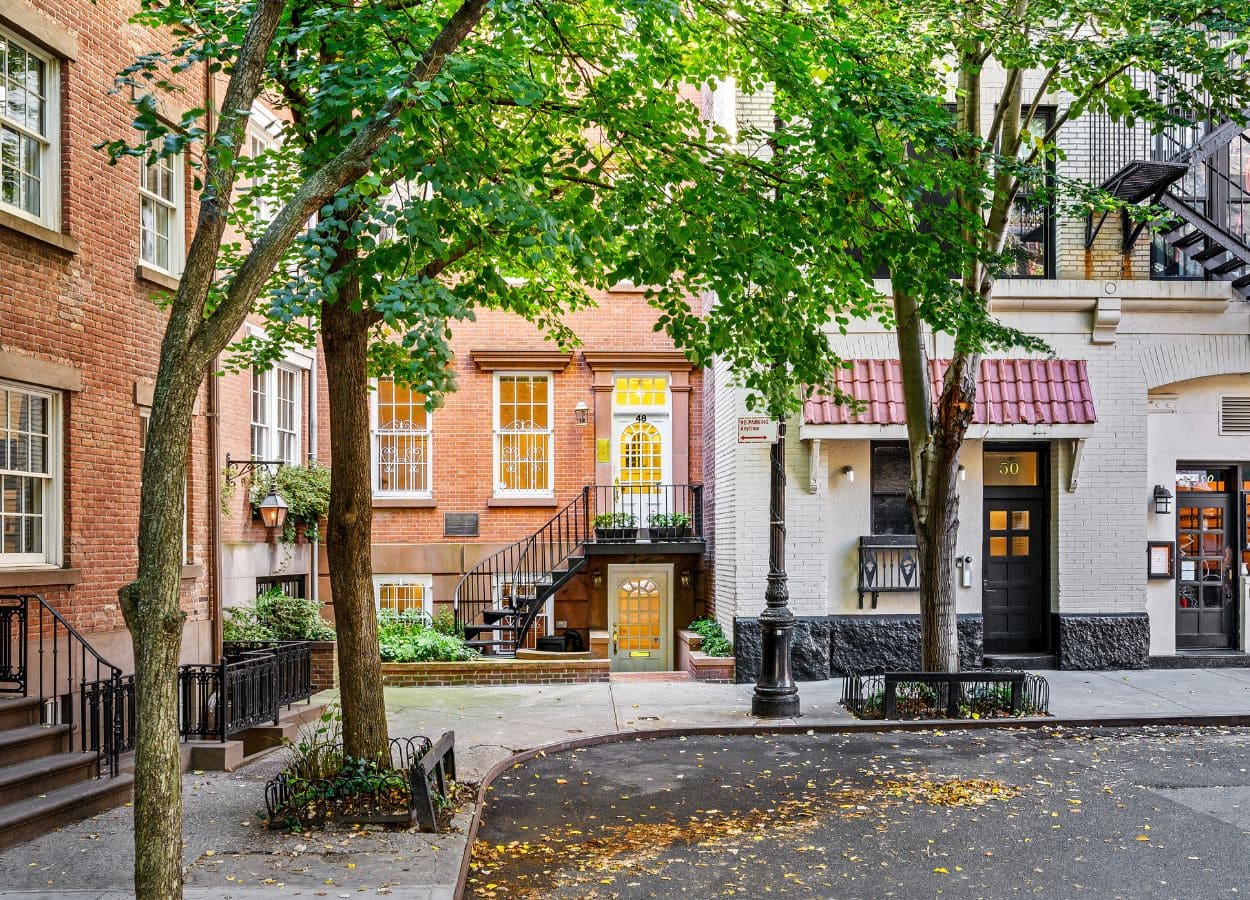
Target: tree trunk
column 155, row 619
column 345, row 332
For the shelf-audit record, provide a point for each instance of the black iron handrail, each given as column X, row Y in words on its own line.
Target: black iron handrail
column 660, row 513
column 249, row 687
column 99, row 709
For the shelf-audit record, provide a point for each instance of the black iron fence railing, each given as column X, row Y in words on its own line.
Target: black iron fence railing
column 249, row 687
column 43, row 656
column 983, row 694
column 888, row 563
column 658, row 513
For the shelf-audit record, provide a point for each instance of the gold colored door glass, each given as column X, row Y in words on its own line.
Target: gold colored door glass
column 641, row 452
column 641, row 390
column 639, row 611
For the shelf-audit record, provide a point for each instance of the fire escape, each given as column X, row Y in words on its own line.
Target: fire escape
column 1200, row 173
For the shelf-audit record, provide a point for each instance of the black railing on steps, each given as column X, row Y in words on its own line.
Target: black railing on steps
column 249, row 687
column 43, row 656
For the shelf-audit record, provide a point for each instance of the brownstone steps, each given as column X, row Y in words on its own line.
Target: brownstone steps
column 35, row 815
column 24, row 780
column 32, row 742
column 19, row 712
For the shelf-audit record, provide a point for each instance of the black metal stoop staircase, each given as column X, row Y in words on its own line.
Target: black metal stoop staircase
column 497, row 600
column 1200, row 172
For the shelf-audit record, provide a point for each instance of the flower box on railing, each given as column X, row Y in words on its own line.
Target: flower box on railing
column 616, row 535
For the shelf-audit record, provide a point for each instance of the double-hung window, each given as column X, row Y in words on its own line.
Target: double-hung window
column 29, row 167
column 29, row 476
column 523, row 435
column 404, row 594
column 275, row 414
column 161, row 213
column 891, row 471
column 401, row 442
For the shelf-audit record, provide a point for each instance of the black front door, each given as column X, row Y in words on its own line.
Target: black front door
column 1015, row 575
column 1206, row 577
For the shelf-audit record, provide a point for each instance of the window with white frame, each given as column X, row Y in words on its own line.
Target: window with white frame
column 402, row 441
column 29, row 476
column 29, row 169
column 276, row 414
column 259, row 142
column 161, row 213
column 523, row 435
column 404, row 594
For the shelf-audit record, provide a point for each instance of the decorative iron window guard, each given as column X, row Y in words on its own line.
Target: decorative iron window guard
column 888, row 563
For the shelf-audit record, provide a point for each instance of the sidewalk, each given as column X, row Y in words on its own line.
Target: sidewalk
column 228, row 855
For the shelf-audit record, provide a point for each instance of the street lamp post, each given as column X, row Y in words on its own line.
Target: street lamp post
column 776, row 695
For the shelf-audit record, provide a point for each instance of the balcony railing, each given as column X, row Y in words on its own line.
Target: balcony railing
column 888, row 563
column 659, row 513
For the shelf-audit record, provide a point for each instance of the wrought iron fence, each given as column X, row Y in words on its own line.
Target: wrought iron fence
column 888, row 563
column 43, row 656
column 659, row 513
column 249, row 687
column 985, row 694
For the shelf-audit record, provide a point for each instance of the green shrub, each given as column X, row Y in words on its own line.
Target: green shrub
column 714, row 641
column 668, row 520
column 615, row 520
column 444, row 622
column 275, row 616
column 407, row 638
column 306, row 490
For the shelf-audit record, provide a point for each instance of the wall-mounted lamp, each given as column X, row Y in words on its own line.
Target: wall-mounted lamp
column 963, row 474
column 596, row 578
column 1163, row 500
column 685, row 579
column 273, row 509
column 849, row 473
column 581, row 412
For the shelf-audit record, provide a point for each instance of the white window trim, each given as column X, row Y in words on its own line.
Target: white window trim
column 375, row 475
column 497, row 466
column 50, row 184
column 177, row 226
column 635, row 408
column 53, row 517
column 426, row 581
column 270, row 448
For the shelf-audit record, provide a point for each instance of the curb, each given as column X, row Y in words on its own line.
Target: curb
column 873, row 726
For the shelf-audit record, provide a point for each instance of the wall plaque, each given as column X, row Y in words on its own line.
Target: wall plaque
column 460, row 524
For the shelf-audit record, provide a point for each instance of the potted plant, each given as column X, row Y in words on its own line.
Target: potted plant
column 669, row 526
column 616, row 528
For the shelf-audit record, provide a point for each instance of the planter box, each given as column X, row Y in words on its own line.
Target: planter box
column 670, row 533
column 325, row 666
column 616, row 535
column 495, row 671
column 713, row 669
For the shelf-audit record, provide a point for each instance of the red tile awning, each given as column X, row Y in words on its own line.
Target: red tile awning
column 1009, row 392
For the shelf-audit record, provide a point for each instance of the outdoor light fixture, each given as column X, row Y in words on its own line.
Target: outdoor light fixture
column 597, row 578
column 580, row 412
column 849, row 473
column 273, row 509
column 1163, row 500
column 963, row 474
column 685, row 579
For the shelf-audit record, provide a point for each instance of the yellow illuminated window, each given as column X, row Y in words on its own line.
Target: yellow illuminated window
column 642, row 454
column 401, row 441
column 638, row 615
column 523, row 434
column 403, row 594
column 642, row 390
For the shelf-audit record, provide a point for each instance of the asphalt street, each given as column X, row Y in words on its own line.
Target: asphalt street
column 1105, row 813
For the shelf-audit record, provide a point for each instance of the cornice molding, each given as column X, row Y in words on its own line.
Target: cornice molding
column 542, row 360
column 638, row 360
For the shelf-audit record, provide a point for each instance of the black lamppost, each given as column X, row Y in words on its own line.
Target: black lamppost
column 776, row 695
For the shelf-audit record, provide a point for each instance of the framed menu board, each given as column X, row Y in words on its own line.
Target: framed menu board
column 1159, row 559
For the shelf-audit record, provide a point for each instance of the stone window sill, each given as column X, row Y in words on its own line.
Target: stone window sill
column 523, row 501
column 404, row 503
column 38, row 232
column 39, row 577
column 155, row 276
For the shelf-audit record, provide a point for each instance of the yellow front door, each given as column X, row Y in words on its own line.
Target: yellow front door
column 640, row 618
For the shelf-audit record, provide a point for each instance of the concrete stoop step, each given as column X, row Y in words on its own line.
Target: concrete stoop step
column 1027, row 661
column 26, row 818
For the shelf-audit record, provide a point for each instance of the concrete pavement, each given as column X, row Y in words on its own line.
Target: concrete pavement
column 227, row 853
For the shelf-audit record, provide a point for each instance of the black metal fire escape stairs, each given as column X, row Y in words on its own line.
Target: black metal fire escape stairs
column 1181, row 178
column 497, row 601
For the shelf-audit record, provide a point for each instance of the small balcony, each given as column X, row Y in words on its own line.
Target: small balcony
column 645, row 518
column 888, row 563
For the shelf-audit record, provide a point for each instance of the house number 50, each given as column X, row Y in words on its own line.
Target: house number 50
column 1009, row 467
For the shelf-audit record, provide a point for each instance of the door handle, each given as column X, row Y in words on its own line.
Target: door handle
column 614, row 638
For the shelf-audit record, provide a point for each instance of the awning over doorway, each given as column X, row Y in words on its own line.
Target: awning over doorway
column 1010, row 392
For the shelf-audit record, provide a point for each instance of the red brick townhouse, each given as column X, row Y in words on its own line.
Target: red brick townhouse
column 566, row 482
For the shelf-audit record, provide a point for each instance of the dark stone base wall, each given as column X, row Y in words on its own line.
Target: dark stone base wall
column 1104, row 641
column 824, row 646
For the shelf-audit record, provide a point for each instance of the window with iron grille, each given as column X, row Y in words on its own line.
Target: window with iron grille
column 404, row 594
column 523, row 435
column 402, row 442
column 291, row 585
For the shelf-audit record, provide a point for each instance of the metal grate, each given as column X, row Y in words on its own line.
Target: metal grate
column 1235, row 415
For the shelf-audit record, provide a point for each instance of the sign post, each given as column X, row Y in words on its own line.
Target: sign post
column 757, row 430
